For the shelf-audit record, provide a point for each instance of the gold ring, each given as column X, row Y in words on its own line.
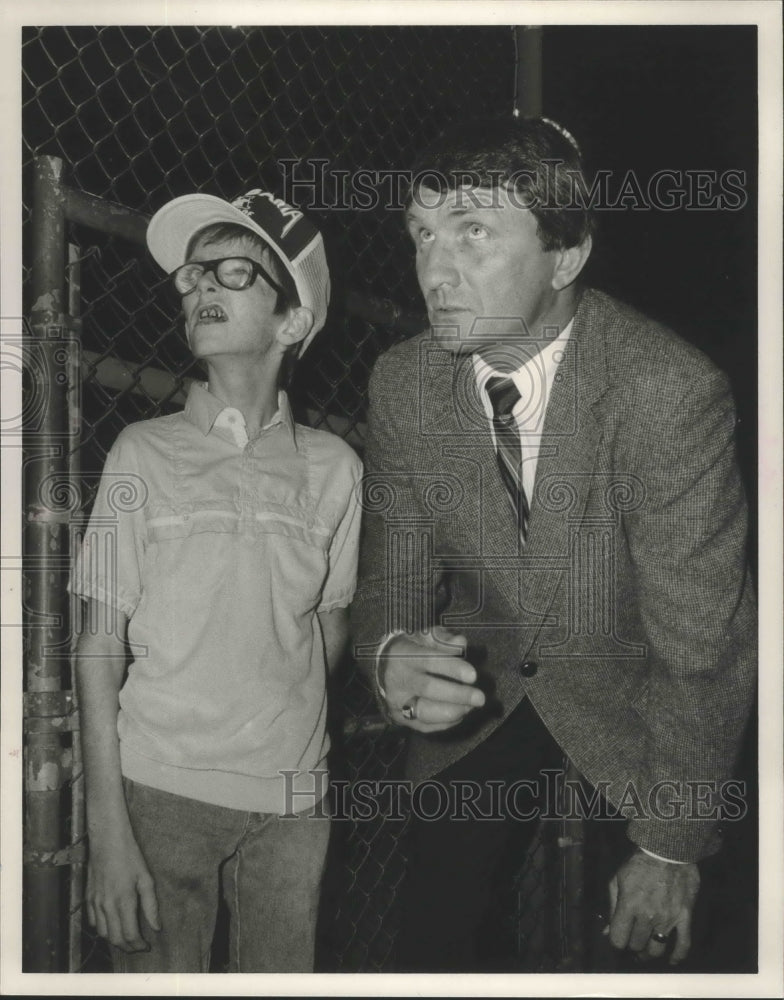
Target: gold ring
column 409, row 710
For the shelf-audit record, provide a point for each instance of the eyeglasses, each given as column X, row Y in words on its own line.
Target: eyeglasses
column 236, row 273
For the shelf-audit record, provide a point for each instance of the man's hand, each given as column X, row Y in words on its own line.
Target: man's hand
column 118, row 881
column 649, row 896
column 429, row 671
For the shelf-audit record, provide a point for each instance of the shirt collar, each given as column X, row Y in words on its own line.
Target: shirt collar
column 545, row 361
column 202, row 409
column 534, row 380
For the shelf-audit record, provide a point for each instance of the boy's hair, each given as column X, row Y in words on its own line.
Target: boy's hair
column 536, row 158
column 219, row 232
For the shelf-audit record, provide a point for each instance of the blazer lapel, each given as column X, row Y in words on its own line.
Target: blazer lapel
column 572, row 433
column 454, row 422
column 457, row 427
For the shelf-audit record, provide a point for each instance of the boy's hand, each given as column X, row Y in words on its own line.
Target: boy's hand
column 118, row 880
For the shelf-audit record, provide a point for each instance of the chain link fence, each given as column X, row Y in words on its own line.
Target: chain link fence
column 139, row 115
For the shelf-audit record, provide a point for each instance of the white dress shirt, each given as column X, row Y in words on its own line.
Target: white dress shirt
column 534, row 380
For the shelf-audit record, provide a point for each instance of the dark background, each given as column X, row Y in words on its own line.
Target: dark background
column 681, row 98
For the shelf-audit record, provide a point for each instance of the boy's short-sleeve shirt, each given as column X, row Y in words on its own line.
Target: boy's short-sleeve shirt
column 220, row 553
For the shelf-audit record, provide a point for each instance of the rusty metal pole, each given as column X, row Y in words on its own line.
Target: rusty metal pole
column 78, row 835
column 46, row 551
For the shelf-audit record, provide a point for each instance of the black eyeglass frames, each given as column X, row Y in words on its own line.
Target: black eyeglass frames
column 236, row 273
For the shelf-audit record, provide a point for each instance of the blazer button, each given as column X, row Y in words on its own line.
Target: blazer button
column 528, row 668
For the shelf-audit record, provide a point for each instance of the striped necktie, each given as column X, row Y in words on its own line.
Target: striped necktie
column 503, row 396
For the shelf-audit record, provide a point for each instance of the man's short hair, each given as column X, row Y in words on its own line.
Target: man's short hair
column 534, row 158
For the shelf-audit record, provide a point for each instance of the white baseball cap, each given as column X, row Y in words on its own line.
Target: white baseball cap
column 292, row 237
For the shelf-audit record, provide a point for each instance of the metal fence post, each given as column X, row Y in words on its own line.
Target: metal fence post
column 572, row 895
column 528, row 79
column 46, row 537
column 78, row 831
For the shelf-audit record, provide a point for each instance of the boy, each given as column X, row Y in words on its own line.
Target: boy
column 223, row 543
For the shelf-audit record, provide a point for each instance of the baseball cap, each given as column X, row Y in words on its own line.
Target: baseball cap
column 292, row 237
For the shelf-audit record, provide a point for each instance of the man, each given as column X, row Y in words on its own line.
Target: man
column 553, row 558
column 223, row 544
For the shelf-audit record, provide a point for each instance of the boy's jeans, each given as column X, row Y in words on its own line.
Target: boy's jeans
column 269, row 870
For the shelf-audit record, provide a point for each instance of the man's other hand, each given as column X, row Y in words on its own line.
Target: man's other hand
column 651, row 899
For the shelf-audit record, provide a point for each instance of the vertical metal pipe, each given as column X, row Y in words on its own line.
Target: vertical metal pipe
column 78, row 825
column 573, row 915
column 45, row 573
column 528, row 81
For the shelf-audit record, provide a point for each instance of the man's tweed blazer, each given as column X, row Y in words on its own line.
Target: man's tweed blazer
column 628, row 617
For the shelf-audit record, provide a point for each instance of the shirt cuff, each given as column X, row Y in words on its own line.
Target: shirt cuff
column 660, row 858
column 377, row 661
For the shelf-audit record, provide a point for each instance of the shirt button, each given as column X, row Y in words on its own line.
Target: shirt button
column 528, row 668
